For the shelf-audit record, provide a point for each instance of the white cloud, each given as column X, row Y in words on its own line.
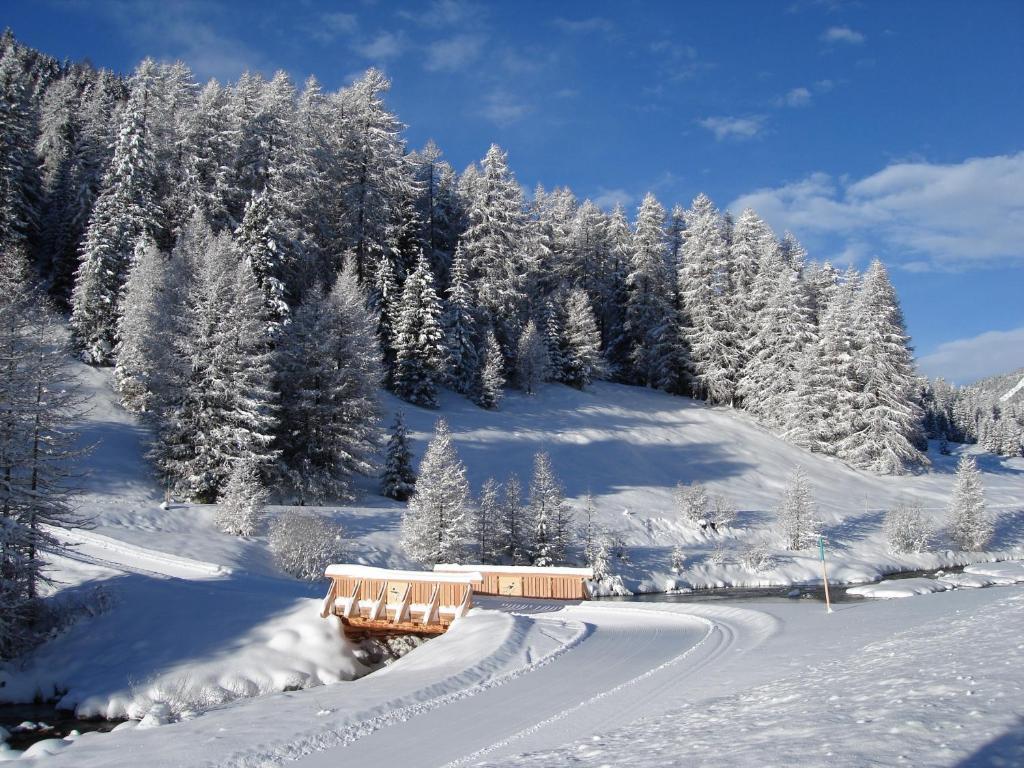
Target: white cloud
column 609, row 198
column 445, row 13
column 797, row 97
column 329, row 26
column 386, row 45
column 842, row 35
column 918, row 214
column 454, row 53
column 739, row 128
column 583, row 26
column 502, row 108
column 964, row 361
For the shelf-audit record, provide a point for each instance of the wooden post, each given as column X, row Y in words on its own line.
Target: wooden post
column 824, row 572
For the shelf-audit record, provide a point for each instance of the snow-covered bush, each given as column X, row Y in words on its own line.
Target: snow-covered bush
column 692, row 502
column 304, row 544
column 678, row 560
column 907, row 530
column 242, row 504
column 722, row 511
column 797, row 520
column 757, row 557
column 969, row 527
column 719, row 555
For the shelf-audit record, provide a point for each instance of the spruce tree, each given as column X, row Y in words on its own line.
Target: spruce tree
column 243, row 502
column 888, row 418
column 259, row 241
column 969, row 525
column 486, row 522
column 549, row 514
column 328, row 371
column 227, row 410
column 124, row 212
column 436, row 525
column 797, row 515
column 463, row 361
column 490, row 387
column 398, row 479
column 531, row 359
column 705, row 292
column 583, row 360
column 419, row 340
column 514, row 523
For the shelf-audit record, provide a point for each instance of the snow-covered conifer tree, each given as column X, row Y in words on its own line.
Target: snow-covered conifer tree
column 328, row 371
column 552, row 328
column 514, row 523
column 651, row 324
column 143, row 329
column 261, row 244
column 124, row 211
column 463, row 360
column 486, row 522
column 550, row 515
column 798, row 522
column 705, row 295
column 419, row 340
column 398, row 479
column 531, row 359
column 583, row 361
column 970, row 527
column 888, row 416
column 491, row 384
column 226, row 411
column 242, row 503
column 437, row 523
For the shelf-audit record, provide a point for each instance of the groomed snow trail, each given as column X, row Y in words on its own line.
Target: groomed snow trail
column 629, row 658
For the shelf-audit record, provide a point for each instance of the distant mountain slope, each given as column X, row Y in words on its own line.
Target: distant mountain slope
column 1007, row 388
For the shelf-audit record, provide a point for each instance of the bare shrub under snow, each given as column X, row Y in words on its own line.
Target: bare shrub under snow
column 304, row 544
column 907, row 530
column 691, row 502
column 757, row 557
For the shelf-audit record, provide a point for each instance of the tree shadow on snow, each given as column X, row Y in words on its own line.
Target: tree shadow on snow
column 1006, row 750
column 854, row 528
column 1009, row 529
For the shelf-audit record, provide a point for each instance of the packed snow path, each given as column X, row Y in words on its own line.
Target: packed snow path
column 620, row 665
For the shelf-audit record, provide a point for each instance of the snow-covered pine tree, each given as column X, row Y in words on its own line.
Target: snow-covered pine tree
column 437, row 523
column 651, row 324
column 552, row 328
column 550, row 516
column 124, row 211
column 18, row 168
column 970, row 527
column 494, row 243
column 242, row 503
column 513, row 523
column 486, row 522
column 143, row 328
column 797, row 516
column 784, row 327
column 328, row 371
column 490, row 387
column 260, row 242
column 40, row 400
column 583, row 360
column 821, row 411
column 531, row 359
column 611, row 310
column 385, row 298
column 463, row 361
column 706, row 298
column 888, row 418
column 419, row 340
column 226, row 409
column 398, row 478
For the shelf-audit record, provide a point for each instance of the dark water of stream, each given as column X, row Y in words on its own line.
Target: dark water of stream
column 54, row 723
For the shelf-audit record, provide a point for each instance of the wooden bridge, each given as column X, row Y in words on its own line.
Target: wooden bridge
column 527, row 581
column 378, row 601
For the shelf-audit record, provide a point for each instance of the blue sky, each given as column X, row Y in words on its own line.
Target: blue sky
column 893, row 129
